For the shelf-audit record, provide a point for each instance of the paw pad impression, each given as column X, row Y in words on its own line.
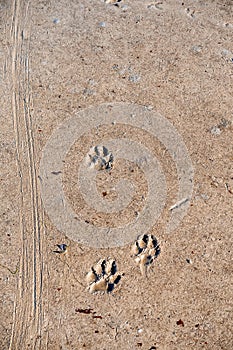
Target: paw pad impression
column 146, row 249
column 103, row 276
column 100, row 158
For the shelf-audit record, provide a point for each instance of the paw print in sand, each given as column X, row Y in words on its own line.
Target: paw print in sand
column 146, row 249
column 100, row 158
column 103, row 276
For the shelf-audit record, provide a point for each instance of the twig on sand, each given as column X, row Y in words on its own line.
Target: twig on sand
column 12, row 272
column 178, row 204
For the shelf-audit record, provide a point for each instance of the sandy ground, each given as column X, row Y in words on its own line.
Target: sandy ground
column 60, row 57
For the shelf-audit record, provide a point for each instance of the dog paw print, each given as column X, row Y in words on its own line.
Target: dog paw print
column 145, row 249
column 100, row 158
column 103, row 276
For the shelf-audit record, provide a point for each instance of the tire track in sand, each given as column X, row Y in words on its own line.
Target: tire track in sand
column 29, row 310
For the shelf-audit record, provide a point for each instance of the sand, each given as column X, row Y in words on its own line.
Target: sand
column 165, row 67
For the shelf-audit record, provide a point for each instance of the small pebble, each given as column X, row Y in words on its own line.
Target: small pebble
column 196, row 48
column 228, row 25
column 62, row 248
column 149, row 108
column 102, row 24
column 124, row 7
column 226, row 52
column 215, row 131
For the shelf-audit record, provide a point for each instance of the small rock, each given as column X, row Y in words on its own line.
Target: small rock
column 149, row 108
column 102, row 24
column 215, row 131
column 56, row 20
column 110, row 1
column 62, row 248
column 196, row 48
column 180, row 323
column 124, row 7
